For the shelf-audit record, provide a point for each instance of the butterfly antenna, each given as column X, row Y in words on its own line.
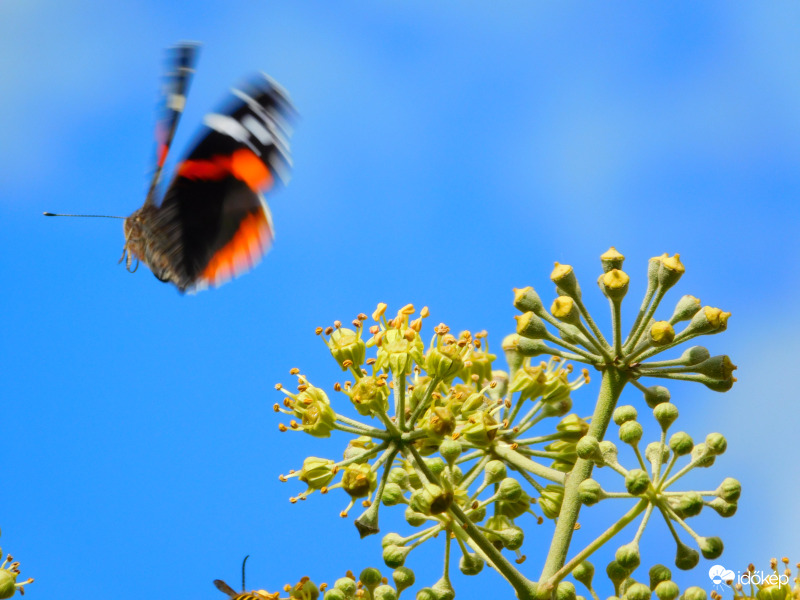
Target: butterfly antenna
column 243, row 562
column 49, row 214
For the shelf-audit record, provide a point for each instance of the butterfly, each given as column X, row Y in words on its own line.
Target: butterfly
column 212, row 223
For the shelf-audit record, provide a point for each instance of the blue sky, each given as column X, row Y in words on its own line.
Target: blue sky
column 445, row 153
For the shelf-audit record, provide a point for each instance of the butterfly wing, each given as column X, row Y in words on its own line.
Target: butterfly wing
column 214, row 220
column 181, row 61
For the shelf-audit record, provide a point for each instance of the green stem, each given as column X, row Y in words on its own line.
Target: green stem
column 400, row 399
column 597, row 543
column 522, row 586
column 520, row 463
column 610, row 389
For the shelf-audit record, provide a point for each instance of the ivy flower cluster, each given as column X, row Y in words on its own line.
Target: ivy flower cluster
column 468, row 450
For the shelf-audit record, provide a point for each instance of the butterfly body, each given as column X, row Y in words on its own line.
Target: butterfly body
column 212, row 223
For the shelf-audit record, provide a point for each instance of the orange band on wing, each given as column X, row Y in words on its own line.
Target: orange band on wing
column 242, row 252
column 243, row 164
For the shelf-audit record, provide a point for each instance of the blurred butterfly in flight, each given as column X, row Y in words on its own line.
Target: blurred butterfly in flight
column 212, row 223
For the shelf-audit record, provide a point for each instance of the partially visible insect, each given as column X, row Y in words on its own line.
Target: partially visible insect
column 212, row 222
column 243, row 595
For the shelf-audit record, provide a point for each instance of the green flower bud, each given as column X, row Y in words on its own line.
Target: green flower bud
column 707, row 321
column 494, row 472
column 656, row 452
column 509, row 489
column 658, row 573
column 695, row 593
column 637, row 481
column 590, row 492
column 530, row 326
column 609, row 453
column 564, row 309
column 395, row 556
column 305, row 589
column 335, row 594
column 565, row 591
column 616, row 573
column 623, row 414
column 426, row 593
column 588, row 448
column 656, row 395
column 347, row 586
column 431, row 499
column 399, row 349
column 701, row 456
column 667, row 590
column 476, row 515
column 444, row 360
column 631, row 432
column 695, row 356
column 774, row 592
column 716, row 443
column 399, row 476
column 661, row 334
column 611, row 259
column 686, row 558
column 511, row 538
column 384, row 592
column 358, row 480
column 435, row 465
column 584, row 573
column 614, row 284
column 441, row 422
column 514, row 508
column 527, row 300
column 346, row 345
column 392, row 538
column 470, row 564
column 686, row 308
column 681, row 443
column 8, row 583
column 729, row 490
column 572, row 428
column 450, row 450
column 723, row 508
column 371, row 578
column 480, row 429
column 443, row 589
column 317, row 472
column 370, row 396
column 403, row 578
column 711, row 547
column 628, row 557
column 357, row 449
column 688, row 504
column 392, row 494
column 564, row 277
column 500, row 378
column 670, row 271
column 665, row 413
column 637, row 591
column 550, row 500
column 717, row 367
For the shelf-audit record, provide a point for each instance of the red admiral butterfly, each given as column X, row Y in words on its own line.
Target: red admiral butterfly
column 212, row 223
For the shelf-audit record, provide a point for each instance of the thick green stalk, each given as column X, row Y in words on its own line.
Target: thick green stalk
column 610, row 390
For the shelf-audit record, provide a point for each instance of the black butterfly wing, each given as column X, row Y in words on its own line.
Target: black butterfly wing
column 180, row 67
column 214, row 220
